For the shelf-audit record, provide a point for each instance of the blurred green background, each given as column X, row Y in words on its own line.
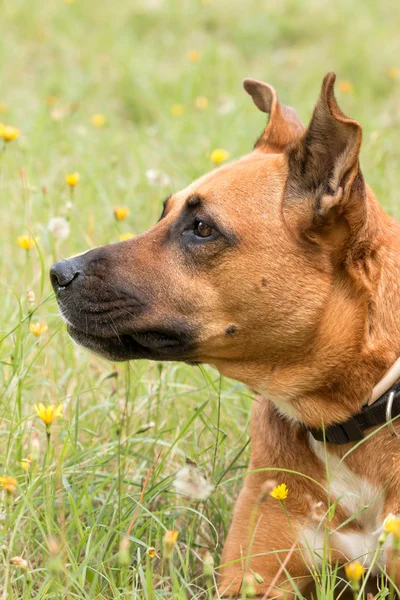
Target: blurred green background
column 166, row 78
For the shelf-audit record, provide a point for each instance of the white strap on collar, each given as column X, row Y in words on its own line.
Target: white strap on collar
column 387, row 381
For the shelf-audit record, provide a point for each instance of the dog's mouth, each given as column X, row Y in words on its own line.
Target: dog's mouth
column 154, row 340
column 153, row 345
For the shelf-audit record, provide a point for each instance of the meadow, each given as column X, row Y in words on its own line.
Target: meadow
column 135, row 97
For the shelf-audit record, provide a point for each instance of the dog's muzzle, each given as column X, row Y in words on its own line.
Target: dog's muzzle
column 112, row 316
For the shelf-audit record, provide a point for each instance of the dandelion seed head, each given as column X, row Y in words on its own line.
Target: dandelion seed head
column 59, row 227
column 190, row 481
column 157, row 178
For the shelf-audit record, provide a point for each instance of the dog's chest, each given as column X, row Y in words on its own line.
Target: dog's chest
column 359, row 500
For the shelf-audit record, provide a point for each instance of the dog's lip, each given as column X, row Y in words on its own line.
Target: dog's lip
column 151, row 345
column 155, row 340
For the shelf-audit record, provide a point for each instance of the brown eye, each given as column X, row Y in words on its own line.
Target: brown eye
column 203, row 230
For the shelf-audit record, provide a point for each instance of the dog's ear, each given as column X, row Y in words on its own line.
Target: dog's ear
column 324, row 180
column 284, row 125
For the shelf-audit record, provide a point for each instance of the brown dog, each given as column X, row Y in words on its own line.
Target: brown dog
column 282, row 271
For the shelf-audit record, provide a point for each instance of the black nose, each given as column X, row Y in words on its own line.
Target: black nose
column 63, row 272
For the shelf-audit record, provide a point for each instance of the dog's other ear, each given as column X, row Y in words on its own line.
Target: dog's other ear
column 284, row 125
column 324, row 168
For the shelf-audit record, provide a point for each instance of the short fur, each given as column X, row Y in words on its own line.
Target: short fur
column 296, row 294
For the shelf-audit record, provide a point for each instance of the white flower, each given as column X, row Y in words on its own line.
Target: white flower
column 190, row 481
column 157, row 178
column 59, row 227
column 225, row 105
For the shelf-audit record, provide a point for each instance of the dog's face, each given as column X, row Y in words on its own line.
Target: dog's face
column 238, row 270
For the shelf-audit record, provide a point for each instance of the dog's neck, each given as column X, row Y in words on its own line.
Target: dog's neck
column 342, row 394
column 353, row 350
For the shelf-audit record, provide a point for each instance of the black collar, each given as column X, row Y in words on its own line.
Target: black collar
column 387, row 407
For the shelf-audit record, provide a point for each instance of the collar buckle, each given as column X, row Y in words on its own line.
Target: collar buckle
column 389, row 405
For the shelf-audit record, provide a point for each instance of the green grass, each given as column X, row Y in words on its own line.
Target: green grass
column 128, row 60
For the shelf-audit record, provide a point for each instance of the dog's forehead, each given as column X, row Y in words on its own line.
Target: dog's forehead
column 243, row 180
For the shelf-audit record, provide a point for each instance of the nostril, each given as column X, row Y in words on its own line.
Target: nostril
column 62, row 273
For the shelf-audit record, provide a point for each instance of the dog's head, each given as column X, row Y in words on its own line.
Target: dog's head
column 246, row 268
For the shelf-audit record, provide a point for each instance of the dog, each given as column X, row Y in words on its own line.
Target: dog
column 282, row 271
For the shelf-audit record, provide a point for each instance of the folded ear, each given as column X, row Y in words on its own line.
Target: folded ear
column 324, row 167
column 284, row 125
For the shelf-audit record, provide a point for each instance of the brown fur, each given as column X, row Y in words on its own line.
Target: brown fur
column 298, row 299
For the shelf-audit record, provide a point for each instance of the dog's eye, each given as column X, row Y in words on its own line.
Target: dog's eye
column 201, row 229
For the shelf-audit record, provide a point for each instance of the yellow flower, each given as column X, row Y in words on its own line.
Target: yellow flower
column 8, row 483
column 169, row 541
column 346, row 87
column 72, row 179
column 126, row 236
column 51, row 100
column 393, row 73
column 48, row 413
column 26, row 462
column 219, row 155
column 9, row 133
column 280, row 492
column 177, row 110
column 354, row 571
column 25, row 241
column 121, row 212
column 193, row 55
column 38, row 328
column 151, row 552
column 392, row 525
column 201, row 102
column 98, row 120
column 3, row 107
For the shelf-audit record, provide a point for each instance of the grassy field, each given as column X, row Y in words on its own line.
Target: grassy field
column 99, row 494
